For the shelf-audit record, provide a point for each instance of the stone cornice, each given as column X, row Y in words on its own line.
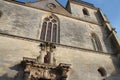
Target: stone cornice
column 39, row 41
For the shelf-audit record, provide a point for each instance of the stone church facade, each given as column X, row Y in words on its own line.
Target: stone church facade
column 43, row 40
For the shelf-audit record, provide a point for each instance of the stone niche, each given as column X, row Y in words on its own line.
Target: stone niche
column 44, row 67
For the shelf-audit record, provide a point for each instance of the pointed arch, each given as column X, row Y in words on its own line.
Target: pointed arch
column 96, row 42
column 86, row 12
column 50, row 31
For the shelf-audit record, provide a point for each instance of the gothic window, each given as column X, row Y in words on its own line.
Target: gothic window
column 50, row 29
column 102, row 71
column 85, row 12
column 96, row 42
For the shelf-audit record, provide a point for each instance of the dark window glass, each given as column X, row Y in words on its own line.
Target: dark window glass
column 48, row 38
column 102, row 71
column 43, row 32
column 50, row 17
column 85, row 12
column 54, row 33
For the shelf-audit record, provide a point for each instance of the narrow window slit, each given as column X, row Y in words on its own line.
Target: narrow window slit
column 85, row 12
column 102, row 72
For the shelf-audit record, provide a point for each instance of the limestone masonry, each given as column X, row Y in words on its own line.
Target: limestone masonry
column 43, row 40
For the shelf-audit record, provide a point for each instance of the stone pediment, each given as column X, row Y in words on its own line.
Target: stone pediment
column 48, row 5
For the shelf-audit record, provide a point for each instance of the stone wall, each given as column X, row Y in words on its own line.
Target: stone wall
column 77, row 11
column 26, row 22
column 84, row 63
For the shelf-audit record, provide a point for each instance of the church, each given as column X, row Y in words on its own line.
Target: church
column 43, row 40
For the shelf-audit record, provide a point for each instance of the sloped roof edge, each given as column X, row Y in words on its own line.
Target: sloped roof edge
column 83, row 2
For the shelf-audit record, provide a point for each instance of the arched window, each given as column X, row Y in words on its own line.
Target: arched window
column 96, row 42
column 102, row 71
column 85, row 12
column 50, row 31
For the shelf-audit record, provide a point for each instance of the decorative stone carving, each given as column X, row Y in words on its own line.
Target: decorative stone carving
column 51, row 6
column 37, row 71
column 44, row 67
column 46, row 53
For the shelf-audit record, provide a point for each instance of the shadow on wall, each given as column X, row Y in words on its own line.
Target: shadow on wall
column 97, row 17
column 115, row 60
column 19, row 68
column 115, row 75
column 5, row 77
column 18, row 76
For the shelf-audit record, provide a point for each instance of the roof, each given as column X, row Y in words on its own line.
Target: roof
column 83, row 2
column 79, row 1
column 24, row 1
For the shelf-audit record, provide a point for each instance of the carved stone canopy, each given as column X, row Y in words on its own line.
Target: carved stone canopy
column 37, row 71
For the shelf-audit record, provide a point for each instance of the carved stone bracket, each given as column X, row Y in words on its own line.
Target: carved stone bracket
column 37, row 71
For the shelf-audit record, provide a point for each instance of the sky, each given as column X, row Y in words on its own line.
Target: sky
column 111, row 8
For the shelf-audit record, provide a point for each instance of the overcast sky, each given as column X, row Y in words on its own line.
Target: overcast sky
column 111, row 8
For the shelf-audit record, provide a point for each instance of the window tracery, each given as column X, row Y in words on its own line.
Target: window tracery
column 50, row 29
